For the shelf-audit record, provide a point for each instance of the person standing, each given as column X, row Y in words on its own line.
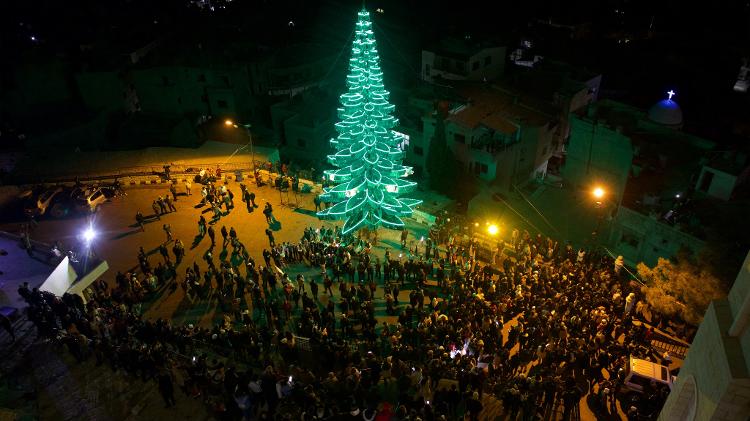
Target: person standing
column 162, row 205
column 8, row 326
column 271, row 240
column 169, row 204
column 404, row 235
column 246, row 199
column 252, row 199
column 224, row 235
column 314, row 289
column 327, row 284
column 178, row 250
column 164, row 252
column 316, row 201
column 201, row 226
column 166, row 387
column 173, row 190
column 168, row 230
column 139, row 220
column 212, row 235
column 204, row 194
column 155, row 207
column 188, row 187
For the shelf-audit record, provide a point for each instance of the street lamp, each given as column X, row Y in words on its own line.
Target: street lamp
column 493, row 229
column 230, row 123
column 89, row 235
column 599, row 193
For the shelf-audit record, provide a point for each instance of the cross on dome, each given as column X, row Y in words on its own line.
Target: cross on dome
column 670, row 94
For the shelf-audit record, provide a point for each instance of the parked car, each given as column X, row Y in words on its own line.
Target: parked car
column 89, row 200
column 41, row 204
column 640, row 373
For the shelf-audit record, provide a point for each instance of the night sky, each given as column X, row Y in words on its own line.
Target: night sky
column 694, row 48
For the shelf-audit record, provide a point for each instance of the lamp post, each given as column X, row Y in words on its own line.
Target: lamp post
column 88, row 238
column 230, row 123
column 599, row 193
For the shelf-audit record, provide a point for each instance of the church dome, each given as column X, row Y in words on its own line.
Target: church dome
column 666, row 112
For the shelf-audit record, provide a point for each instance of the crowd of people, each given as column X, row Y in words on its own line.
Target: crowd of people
column 538, row 327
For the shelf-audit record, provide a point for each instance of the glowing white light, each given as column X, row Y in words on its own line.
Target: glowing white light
column 89, row 234
column 493, row 229
column 391, row 188
column 670, row 94
column 33, row 38
column 350, row 192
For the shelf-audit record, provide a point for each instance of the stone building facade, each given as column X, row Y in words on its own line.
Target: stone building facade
column 714, row 382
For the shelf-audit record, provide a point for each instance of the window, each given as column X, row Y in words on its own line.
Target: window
column 222, row 104
column 487, row 61
column 419, row 151
column 458, row 137
column 201, row 77
column 708, row 177
column 640, row 381
column 475, row 65
column 301, row 143
column 426, row 69
column 629, row 239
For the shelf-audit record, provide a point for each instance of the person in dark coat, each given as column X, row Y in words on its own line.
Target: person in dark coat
column 166, row 387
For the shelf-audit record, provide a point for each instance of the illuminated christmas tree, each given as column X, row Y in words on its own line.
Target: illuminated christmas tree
column 369, row 176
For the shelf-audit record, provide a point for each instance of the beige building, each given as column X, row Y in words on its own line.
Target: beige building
column 714, row 382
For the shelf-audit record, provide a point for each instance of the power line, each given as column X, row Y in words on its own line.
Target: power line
column 537, row 210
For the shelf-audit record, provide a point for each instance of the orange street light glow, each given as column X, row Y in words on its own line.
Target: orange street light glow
column 598, row 192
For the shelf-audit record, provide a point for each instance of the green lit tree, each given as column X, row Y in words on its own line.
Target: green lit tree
column 369, row 176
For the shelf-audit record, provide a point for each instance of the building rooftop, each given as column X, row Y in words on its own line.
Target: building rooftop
column 462, row 49
column 500, row 109
column 665, row 168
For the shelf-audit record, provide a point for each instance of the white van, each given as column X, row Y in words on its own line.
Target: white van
column 640, row 373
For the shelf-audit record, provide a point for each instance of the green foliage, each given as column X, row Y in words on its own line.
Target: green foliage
column 681, row 288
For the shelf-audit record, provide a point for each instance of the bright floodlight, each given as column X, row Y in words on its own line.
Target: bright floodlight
column 89, row 234
column 598, row 192
column 493, row 229
column 228, row 123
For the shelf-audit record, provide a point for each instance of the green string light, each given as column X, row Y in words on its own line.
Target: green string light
column 369, row 174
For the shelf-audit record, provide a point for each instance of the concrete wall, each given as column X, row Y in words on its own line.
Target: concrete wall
column 717, row 362
column 433, row 67
column 598, row 154
column 194, row 90
column 721, row 186
column 314, row 139
column 654, row 238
